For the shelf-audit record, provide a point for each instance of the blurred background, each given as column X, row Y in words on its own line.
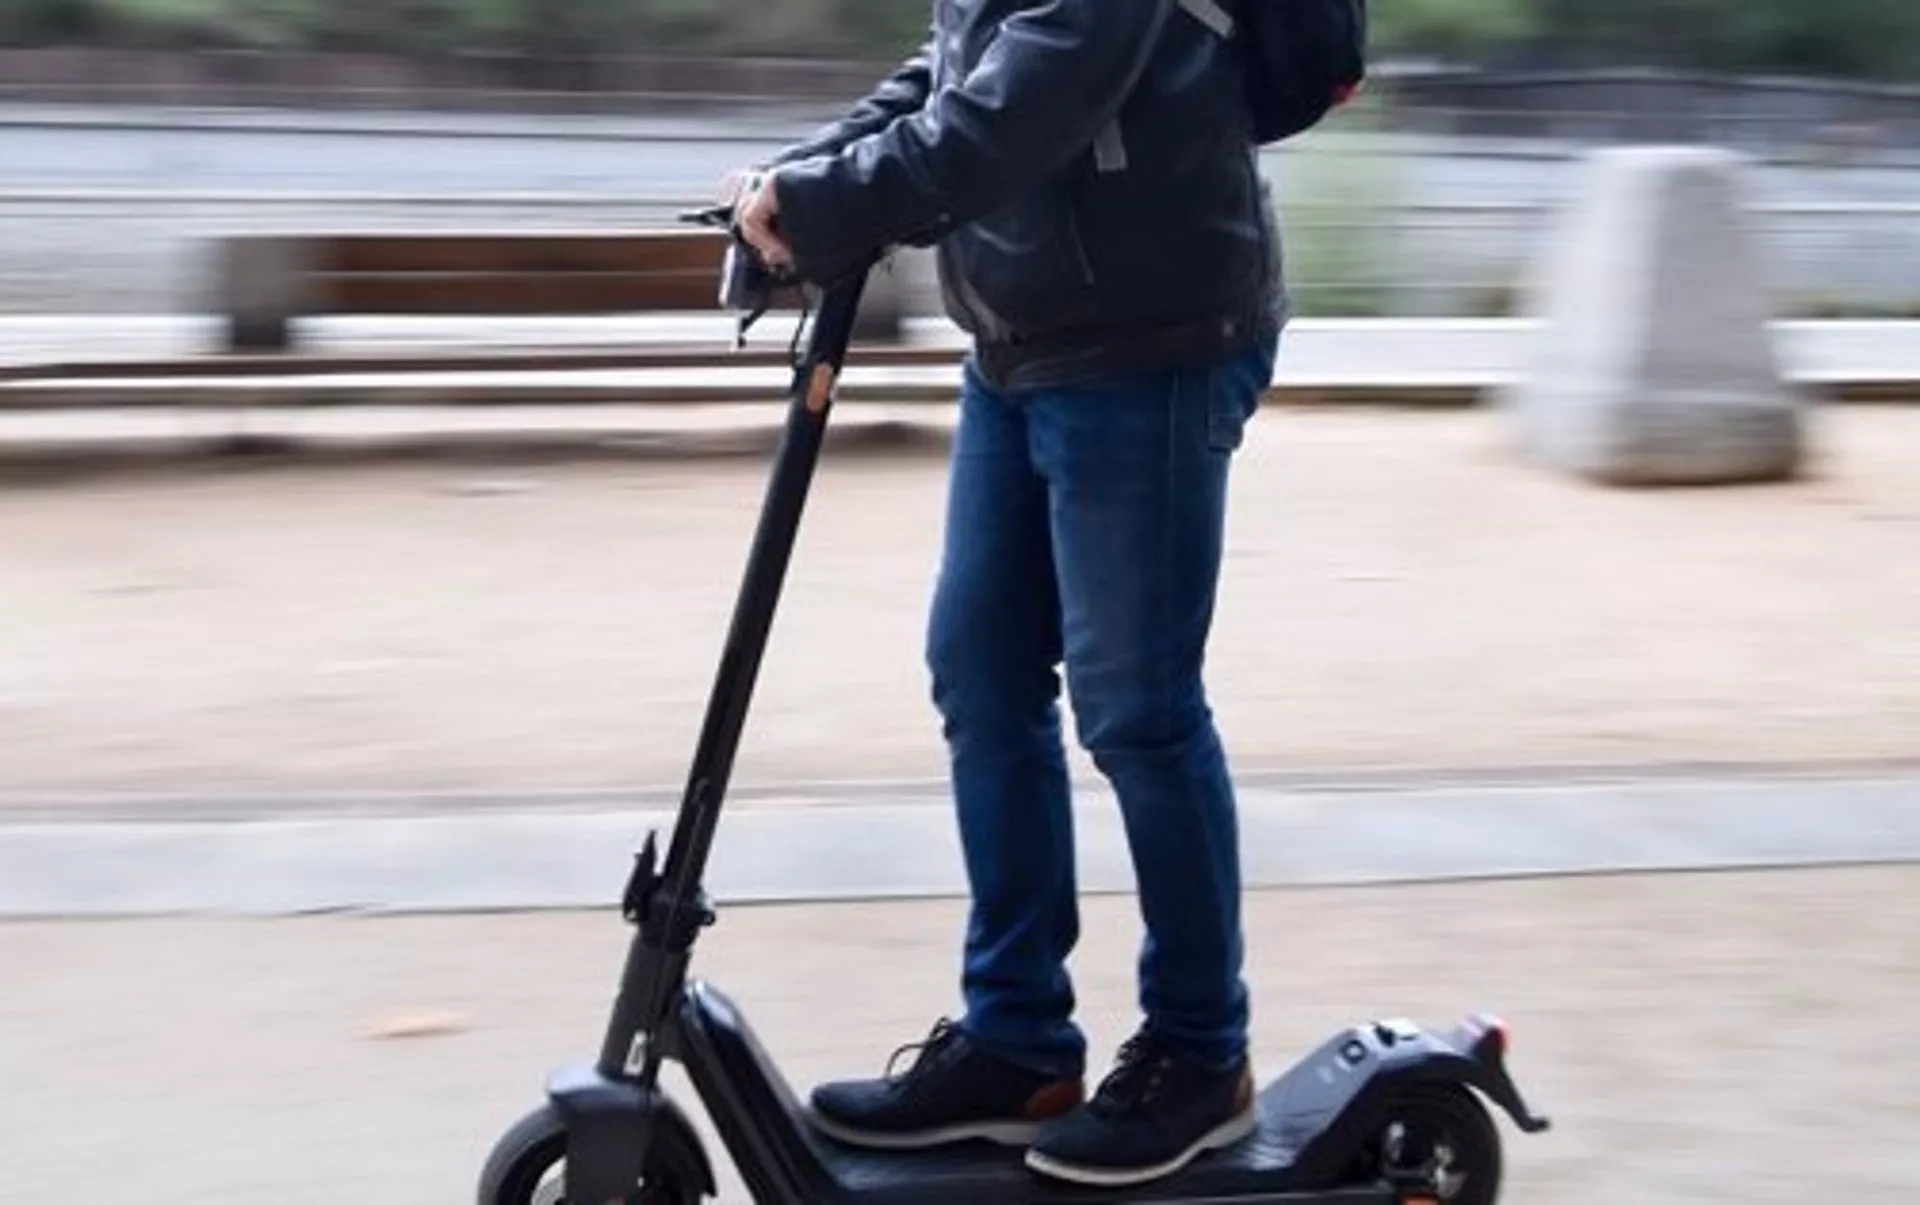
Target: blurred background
column 1421, row 202
column 341, row 664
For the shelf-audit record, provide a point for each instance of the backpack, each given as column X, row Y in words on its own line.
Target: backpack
column 1305, row 58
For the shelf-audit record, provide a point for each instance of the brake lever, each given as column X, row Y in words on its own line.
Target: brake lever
column 747, row 283
column 714, row 217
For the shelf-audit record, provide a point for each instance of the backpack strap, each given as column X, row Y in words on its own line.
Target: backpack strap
column 1212, row 14
column 1110, row 148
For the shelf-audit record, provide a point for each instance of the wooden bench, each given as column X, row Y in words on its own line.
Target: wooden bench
column 268, row 282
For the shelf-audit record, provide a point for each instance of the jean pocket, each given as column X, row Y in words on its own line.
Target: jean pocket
column 1230, row 405
column 1234, row 394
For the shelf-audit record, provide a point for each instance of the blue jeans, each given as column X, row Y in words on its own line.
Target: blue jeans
column 1085, row 528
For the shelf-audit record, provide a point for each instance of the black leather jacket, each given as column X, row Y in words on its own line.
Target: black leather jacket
column 1084, row 168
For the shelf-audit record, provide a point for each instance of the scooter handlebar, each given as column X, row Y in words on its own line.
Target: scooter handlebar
column 747, row 282
column 749, row 286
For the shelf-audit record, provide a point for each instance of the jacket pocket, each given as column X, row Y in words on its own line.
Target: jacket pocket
column 981, row 317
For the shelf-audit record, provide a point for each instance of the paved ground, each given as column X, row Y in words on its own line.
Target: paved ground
column 1400, row 593
column 1756, row 1054
column 397, row 854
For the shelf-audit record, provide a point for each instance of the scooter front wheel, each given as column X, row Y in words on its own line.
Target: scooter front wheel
column 528, row 1167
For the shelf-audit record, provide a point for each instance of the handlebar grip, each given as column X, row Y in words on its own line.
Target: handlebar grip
column 746, row 283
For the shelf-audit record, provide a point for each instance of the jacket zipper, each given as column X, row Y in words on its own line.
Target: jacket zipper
column 1079, row 243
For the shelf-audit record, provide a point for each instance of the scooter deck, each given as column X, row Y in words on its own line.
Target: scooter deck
column 1256, row 1170
column 786, row 1159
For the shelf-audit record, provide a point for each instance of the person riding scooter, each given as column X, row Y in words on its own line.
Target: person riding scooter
column 1086, row 172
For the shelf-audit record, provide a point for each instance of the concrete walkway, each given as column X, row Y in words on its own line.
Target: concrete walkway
column 270, row 690
column 1714, row 1040
column 890, row 841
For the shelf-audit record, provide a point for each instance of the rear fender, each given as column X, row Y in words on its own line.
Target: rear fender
column 1480, row 1061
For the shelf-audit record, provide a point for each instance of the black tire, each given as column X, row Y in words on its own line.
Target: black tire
column 525, row 1164
column 1441, row 1129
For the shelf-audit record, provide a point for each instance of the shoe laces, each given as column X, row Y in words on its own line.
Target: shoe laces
column 1139, row 1073
column 927, row 1051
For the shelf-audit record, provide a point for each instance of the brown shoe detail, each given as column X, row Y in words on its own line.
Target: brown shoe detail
column 1055, row 1100
column 1243, row 1095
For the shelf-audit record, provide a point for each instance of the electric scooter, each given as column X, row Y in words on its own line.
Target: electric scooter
column 1382, row 1113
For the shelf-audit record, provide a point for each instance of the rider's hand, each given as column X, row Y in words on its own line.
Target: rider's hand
column 733, row 184
column 759, row 211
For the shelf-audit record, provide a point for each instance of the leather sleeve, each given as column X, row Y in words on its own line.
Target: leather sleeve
column 903, row 92
column 1055, row 74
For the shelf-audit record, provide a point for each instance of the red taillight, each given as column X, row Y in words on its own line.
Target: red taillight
column 1495, row 1029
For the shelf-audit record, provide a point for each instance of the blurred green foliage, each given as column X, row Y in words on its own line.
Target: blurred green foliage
column 1855, row 38
column 853, row 28
column 1454, row 29
column 1851, row 38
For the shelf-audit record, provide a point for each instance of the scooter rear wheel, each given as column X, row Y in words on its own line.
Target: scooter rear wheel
column 1440, row 1138
column 528, row 1167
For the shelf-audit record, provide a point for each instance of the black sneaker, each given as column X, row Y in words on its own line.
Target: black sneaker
column 953, row 1092
column 1152, row 1116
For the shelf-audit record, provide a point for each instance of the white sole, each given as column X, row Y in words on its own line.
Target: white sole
column 1238, row 1130
column 1000, row 1133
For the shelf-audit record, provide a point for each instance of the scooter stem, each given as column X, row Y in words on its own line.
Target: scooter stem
column 812, row 392
column 674, row 905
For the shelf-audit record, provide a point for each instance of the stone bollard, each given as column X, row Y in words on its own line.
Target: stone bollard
column 1653, row 362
